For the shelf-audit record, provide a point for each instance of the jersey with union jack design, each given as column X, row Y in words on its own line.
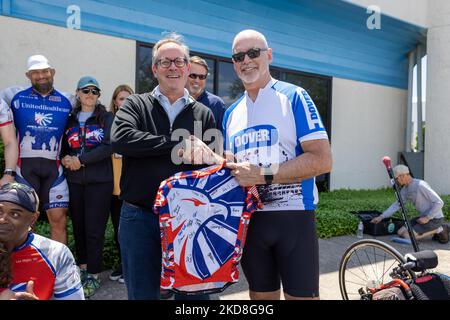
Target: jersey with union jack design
column 204, row 216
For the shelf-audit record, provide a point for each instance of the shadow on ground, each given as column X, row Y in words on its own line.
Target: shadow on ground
column 331, row 251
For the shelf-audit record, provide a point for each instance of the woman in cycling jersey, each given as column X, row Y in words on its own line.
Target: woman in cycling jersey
column 87, row 158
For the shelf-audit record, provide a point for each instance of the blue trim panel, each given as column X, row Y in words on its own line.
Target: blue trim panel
column 327, row 37
column 67, row 292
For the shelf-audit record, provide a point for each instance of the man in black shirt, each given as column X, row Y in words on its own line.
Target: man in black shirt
column 146, row 131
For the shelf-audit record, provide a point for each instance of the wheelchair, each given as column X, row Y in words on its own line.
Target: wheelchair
column 373, row 270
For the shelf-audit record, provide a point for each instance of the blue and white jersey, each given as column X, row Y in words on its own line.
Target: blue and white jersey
column 39, row 121
column 269, row 132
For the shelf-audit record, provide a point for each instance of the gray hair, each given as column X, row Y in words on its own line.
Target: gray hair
column 400, row 169
column 171, row 37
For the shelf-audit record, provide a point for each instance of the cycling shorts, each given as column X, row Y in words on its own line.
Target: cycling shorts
column 47, row 178
column 282, row 248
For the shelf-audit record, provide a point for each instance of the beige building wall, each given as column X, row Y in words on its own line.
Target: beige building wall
column 437, row 133
column 412, row 11
column 368, row 122
column 73, row 53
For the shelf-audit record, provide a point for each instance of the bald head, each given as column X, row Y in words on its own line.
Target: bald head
column 250, row 34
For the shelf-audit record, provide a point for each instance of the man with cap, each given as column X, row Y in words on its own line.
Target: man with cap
column 426, row 201
column 86, row 154
column 40, row 115
column 42, row 268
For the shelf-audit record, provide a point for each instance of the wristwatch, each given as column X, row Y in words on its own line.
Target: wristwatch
column 10, row 172
column 268, row 175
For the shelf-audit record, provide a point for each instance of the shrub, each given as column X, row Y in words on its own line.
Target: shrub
column 333, row 217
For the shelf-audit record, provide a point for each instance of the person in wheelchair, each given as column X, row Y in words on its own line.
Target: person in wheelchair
column 426, row 201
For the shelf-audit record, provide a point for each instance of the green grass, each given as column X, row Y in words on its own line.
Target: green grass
column 333, row 213
column 333, row 216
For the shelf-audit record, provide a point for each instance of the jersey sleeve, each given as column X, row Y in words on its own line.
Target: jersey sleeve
column 8, row 94
column 308, row 123
column 72, row 98
column 160, row 199
column 67, row 281
column 6, row 115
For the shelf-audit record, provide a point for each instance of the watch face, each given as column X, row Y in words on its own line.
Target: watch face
column 268, row 178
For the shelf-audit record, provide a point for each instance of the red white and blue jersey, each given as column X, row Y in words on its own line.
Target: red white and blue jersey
column 40, row 121
column 50, row 265
column 93, row 136
column 269, row 132
column 204, row 216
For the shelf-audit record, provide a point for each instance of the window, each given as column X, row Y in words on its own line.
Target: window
column 145, row 81
column 223, row 81
column 230, row 86
column 211, row 74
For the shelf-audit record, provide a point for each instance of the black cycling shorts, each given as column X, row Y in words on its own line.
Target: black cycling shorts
column 46, row 177
column 282, row 247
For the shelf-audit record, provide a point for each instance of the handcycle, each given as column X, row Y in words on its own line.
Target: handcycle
column 373, row 270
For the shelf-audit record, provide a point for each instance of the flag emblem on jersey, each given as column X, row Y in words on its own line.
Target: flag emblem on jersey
column 43, row 119
column 204, row 216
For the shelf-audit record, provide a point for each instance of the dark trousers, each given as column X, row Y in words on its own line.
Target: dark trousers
column 140, row 243
column 116, row 207
column 89, row 210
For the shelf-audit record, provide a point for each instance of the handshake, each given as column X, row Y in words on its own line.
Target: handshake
column 195, row 151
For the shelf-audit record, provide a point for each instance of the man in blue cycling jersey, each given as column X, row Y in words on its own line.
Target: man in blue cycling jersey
column 277, row 137
column 40, row 114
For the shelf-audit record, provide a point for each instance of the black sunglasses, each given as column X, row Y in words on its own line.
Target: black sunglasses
column 252, row 54
column 200, row 76
column 95, row 92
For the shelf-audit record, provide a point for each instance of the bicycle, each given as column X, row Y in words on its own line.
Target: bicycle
column 370, row 267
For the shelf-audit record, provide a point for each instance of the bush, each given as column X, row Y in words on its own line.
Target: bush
column 110, row 252
column 333, row 217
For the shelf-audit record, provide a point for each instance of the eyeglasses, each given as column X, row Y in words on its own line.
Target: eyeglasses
column 166, row 63
column 252, row 54
column 200, row 76
column 95, row 92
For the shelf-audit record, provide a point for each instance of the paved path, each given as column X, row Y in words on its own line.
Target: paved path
column 331, row 251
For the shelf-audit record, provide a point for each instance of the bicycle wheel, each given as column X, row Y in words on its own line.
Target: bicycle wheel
column 367, row 264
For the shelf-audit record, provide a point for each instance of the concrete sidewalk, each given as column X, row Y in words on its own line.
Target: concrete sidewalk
column 331, row 251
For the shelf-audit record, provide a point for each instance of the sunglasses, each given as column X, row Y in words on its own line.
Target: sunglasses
column 200, row 76
column 252, row 54
column 166, row 63
column 95, row 92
